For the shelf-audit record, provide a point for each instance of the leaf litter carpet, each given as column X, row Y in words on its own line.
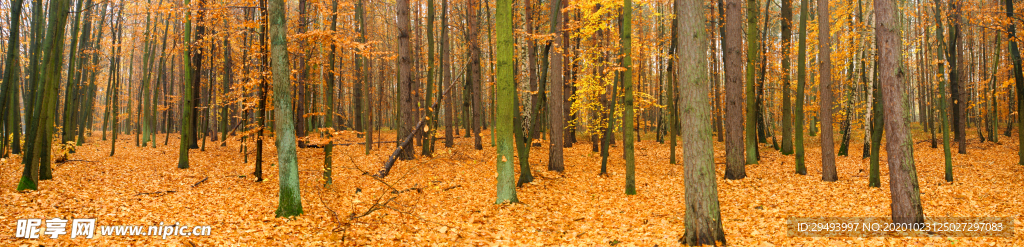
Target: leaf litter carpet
column 449, row 199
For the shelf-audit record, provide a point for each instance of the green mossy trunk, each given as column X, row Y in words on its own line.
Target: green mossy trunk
column 505, row 102
column 877, row 129
column 186, row 106
column 290, row 201
column 428, row 135
column 943, row 114
column 329, row 98
column 750, row 123
column 627, row 86
column 798, row 120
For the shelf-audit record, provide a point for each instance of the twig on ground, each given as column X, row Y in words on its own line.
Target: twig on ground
column 81, row 161
column 200, row 181
column 157, row 192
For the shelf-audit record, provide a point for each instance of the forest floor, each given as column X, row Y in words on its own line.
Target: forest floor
column 449, row 199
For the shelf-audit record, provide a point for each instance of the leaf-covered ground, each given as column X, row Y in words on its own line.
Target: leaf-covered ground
column 449, row 199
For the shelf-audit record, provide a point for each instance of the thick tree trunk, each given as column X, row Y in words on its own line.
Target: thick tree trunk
column 505, row 101
column 906, row 198
column 703, row 221
column 290, row 202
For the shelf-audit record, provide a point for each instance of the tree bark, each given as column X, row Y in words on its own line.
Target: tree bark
column 787, row 121
column 703, row 221
column 555, row 118
column 906, row 198
column 505, row 99
column 405, row 82
column 828, row 156
column 290, row 201
column 733, row 92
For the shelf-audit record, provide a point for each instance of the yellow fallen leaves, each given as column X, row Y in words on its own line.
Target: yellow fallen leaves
column 449, row 199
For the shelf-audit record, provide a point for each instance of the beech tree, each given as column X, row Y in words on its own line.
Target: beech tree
column 290, row 202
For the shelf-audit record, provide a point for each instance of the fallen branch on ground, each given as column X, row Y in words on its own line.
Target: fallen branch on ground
column 200, row 181
column 408, row 138
column 157, row 192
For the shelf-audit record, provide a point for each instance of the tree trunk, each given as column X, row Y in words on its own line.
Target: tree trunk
column 703, row 221
column 405, row 83
column 801, row 65
column 505, row 100
column 787, row 121
column 627, row 85
column 750, row 123
column 957, row 77
column 428, row 135
column 1018, row 78
column 555, row 118
column 906, row 198
column 472, row 21
column 828, row 156
column 290, row 203
column 877, row 128
column 733, row 92
column 446, row 77
column 186, row 105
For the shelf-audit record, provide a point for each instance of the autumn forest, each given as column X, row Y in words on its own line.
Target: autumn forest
column 511, row 122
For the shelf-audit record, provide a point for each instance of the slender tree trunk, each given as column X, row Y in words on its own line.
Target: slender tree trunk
column 366, row 82
column 329, row 96
column 787, row 121
column 750, row 123
column 828, row 156
column 428, row 135
column 446, row 77
column 627, row 85
column 943, row 114
column 957, row 77
column 187, row 111
column 405, row 82
column 877, row 128
column 475, row 79
column 555, row 118
column 733, row 87
column 798, row 120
